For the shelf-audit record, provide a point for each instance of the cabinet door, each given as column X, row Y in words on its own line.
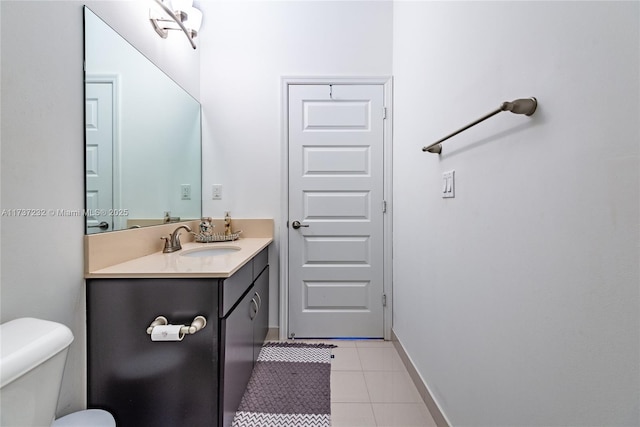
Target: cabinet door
column 261, row 320
column 146, row 383
column 237, row 330
column 234, row 287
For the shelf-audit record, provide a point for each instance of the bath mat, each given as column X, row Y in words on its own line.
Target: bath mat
column 290, row 386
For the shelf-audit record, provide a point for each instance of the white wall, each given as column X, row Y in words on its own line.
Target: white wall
column 518, row 299
column 249, row 46
column 42, row 130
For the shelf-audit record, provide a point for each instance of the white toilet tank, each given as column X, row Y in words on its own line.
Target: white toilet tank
column 32, row 357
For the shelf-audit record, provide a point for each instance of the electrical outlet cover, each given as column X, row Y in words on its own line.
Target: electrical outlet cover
column 185, row 192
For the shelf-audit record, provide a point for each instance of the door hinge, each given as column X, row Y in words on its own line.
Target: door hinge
column 384, row 300
column 384, row 113
column 384, row 206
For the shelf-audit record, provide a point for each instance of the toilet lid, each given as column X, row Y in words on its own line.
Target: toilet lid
column 88, row 418
column 27, row 343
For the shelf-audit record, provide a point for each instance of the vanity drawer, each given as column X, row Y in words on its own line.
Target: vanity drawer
column 260, row 261
column 232, row 288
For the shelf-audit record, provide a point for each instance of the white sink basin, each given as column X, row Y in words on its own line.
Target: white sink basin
column 206, row 252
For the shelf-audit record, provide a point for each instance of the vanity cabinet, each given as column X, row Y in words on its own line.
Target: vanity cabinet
column 197, row 381
column 243, row 331
column 261, row 318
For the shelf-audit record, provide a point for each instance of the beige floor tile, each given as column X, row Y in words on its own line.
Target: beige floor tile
column 380, row 359
column 352, row 415
column 345, row 359
column 391, row 387
column 402, row 415
column 348, row 386
column 371, row 371
column 373, row 343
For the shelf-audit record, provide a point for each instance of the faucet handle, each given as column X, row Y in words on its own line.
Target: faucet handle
column 167, row 243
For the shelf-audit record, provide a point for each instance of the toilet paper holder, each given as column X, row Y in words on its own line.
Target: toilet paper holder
column 199, row 322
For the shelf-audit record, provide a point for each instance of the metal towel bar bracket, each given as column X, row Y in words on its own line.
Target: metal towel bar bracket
column 526, row 106
column 199, row 322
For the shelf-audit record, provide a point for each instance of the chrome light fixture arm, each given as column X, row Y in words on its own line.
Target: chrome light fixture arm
column 163, row 32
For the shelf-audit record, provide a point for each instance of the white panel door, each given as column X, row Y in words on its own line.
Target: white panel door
column 336, row 147
column 99, row 156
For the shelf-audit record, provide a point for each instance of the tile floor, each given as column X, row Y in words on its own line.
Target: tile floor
column 371, row 387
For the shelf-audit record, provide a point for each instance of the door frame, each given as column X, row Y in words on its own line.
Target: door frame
column 387, row 83
column 118, row 222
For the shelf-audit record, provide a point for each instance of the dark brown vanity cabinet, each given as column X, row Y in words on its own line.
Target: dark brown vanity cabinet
column 197, row 381
column 243, row 330
column 261, row 318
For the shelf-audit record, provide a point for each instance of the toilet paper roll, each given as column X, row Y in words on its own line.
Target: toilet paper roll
column 167, row 333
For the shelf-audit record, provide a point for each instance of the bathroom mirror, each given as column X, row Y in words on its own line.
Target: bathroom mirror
column 142, row 137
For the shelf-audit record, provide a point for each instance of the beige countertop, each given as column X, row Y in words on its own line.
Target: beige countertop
column 174, row 264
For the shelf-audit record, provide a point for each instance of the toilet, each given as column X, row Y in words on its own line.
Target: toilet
column 32, row 358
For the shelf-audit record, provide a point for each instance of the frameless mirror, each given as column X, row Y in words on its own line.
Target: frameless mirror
column 142, row 137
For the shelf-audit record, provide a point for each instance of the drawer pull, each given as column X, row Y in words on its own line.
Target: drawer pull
column 253, row 309
column 259, row 299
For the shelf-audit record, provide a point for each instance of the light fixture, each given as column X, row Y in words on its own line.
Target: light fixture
column 176, row 15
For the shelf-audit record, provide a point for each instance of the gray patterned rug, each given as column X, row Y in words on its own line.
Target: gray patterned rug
column 290, row 386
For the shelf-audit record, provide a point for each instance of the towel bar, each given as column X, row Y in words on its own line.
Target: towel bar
column 526, row 106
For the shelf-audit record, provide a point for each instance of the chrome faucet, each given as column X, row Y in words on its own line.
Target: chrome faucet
column 168, row 218
column 172, row 243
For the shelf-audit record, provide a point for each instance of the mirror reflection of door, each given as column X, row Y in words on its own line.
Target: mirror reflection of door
column 99, row 156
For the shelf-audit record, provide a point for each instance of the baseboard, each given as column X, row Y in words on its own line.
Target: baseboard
column 273, row 334
column 432, row 406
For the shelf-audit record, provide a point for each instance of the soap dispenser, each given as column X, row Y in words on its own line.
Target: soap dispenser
column 227, row 224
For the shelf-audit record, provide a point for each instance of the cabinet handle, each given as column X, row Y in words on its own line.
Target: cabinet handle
column 253, row 313
column 259, row 300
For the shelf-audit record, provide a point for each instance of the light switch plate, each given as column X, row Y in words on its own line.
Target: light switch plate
column 216, row 192
column 448, row 184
